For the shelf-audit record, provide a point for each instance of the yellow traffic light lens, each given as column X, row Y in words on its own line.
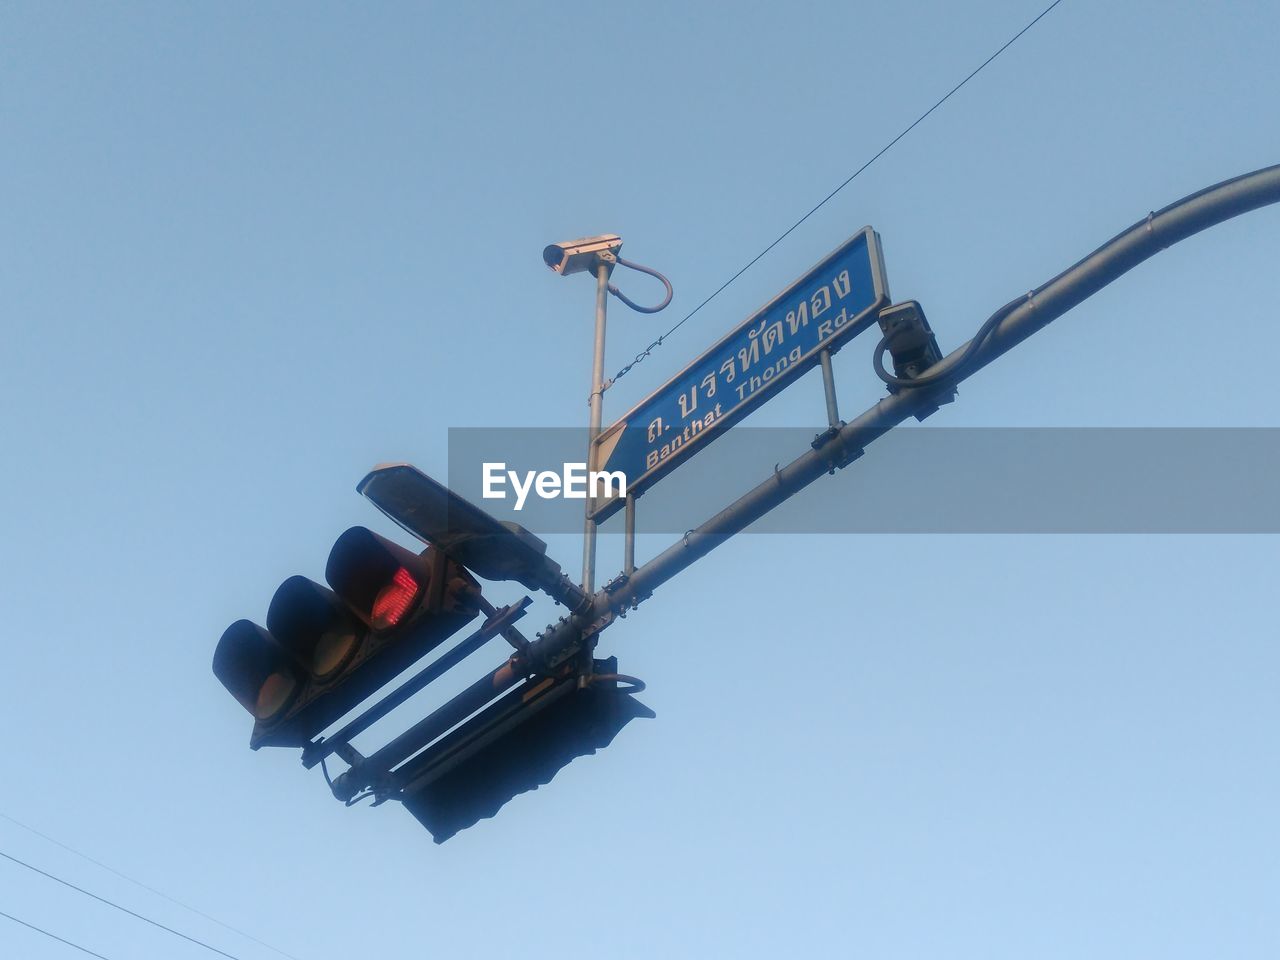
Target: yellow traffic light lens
column 274, row 695
column 333, row 650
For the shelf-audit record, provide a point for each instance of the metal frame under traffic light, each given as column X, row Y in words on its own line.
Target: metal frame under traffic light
column 516, row 744
column 323, row 651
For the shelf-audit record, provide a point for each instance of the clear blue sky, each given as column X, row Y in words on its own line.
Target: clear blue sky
column 247, row 252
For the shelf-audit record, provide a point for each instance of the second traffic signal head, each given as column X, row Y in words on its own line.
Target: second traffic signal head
column 325, row 650
column 517, row 743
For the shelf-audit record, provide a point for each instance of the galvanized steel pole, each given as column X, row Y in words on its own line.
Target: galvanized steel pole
column 604, row 264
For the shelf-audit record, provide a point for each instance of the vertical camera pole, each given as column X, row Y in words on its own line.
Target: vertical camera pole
column 604, row 265
column 600, row 256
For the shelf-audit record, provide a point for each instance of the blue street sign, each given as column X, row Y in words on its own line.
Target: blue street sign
column 834, row 301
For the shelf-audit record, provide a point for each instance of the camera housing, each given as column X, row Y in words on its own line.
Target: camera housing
column 912, row 344
column 575, row 256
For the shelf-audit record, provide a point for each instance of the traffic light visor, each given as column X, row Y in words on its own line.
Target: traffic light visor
column 315, row 626
column 380, row 580
column 255, row 669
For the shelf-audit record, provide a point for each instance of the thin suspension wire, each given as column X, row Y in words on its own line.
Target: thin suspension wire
column 786, row 233
column 110, row 903
column 54, row 936
column 140, row 884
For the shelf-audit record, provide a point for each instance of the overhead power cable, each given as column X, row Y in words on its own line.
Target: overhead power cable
column 110, row 903
column 143, row 886
column 53, row 936
column 821, row 203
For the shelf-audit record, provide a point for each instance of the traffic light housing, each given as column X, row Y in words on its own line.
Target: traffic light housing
column 517, row 744
column 325, row 649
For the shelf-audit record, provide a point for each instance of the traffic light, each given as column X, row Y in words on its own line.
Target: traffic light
column 325, row 650
column 516, row 744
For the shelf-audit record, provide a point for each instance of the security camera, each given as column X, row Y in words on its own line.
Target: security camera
column 909, row 339
column 578, row 255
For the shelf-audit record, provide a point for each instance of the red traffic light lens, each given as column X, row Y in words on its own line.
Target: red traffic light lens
column 381, row 581
column 394, row 600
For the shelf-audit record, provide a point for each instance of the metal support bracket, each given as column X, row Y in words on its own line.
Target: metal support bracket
column 629, row 538
column 497, row 623
column 834, row 422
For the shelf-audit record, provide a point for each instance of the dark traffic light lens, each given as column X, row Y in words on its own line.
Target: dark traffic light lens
column 332, row 651
column 314, row 625
column 394, row 600
column 274, row 695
